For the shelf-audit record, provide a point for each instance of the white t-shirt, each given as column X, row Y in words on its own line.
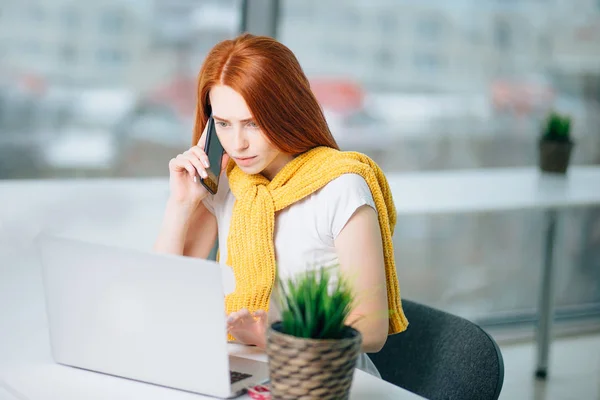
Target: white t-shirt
column 304, row 232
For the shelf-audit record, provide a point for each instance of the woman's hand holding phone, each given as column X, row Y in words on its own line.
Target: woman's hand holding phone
column 184, row 171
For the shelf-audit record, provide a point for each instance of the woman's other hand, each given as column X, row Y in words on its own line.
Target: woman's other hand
column 250, row 329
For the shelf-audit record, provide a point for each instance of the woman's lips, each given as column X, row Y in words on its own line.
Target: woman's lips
column 244, row 161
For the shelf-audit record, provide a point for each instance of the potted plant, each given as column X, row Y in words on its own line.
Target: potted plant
column 312, row 352
column 555, row 144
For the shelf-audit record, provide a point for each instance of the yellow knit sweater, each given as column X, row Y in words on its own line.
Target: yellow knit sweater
column 250, row 246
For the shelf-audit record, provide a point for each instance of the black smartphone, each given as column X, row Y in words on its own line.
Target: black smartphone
column 214, row 150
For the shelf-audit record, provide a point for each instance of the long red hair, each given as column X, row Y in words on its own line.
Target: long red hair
column 268, row 76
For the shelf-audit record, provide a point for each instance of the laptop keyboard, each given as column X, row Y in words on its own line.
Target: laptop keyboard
column 238, row 376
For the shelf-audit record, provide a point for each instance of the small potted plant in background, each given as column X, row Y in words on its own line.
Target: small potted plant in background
column 555, row 144
column 312, row 352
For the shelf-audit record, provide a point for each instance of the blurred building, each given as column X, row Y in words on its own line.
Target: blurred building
column 438, row 45
column 73, row 73
column 83, row 44
column 125, row 44
column 575, row 47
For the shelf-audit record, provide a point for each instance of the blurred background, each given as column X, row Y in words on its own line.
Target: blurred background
column 107, row 89
column 97, row 97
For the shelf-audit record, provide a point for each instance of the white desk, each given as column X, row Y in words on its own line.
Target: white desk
column 495, row 190
column 27, row 371
column 32, row 376
column 6, row 395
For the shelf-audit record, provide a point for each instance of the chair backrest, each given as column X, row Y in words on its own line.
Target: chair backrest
column 442, row 356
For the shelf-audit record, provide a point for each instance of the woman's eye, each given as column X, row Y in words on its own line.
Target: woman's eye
column 252, row 124
column 221, row 124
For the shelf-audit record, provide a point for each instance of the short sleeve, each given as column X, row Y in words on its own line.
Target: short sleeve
column 342, row 197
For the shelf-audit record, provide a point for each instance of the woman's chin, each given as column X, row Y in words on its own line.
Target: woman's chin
column 251, row 169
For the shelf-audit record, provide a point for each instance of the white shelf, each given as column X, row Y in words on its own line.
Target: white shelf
column 485, row 190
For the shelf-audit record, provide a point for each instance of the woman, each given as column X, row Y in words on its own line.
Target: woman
column 287, row 196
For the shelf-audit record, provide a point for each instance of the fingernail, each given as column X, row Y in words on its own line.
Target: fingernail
column 205, row 162
column 204, row 174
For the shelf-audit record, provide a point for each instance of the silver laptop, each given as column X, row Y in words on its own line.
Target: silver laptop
column 141, row 315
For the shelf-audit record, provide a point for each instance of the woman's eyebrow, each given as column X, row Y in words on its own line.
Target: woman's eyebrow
column 226, row 120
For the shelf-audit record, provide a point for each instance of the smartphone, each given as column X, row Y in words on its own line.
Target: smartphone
column 214, row 150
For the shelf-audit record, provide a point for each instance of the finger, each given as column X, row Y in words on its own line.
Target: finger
column 198, row 152
column 241, row 318
column 244, row 315
column 261, row 317
column 243, row 312
column 181, row 163
column 173, row 165
column 236, row 325
column 232, row 318
column 260, row 314
column 177, row 164
column 197, row 164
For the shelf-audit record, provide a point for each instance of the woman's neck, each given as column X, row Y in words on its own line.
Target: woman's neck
column 277, row 165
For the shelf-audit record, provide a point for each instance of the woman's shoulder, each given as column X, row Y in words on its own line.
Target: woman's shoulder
column 346, row 185
column 340, row 198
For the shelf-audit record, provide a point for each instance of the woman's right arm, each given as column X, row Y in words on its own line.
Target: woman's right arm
column 202, row 233
column 188, row 228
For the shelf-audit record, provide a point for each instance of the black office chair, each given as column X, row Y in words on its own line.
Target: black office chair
column 442, row 356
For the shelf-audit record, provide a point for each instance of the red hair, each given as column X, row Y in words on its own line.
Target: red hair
column 269, row 78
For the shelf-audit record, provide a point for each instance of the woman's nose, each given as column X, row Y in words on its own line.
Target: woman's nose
column 240, row 141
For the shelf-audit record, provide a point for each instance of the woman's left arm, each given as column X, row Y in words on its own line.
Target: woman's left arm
column 360, row 252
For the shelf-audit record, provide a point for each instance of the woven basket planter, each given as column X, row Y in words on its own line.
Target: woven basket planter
column 311, row 368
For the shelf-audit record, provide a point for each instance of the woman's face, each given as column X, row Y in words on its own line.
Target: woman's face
column 241, row 138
